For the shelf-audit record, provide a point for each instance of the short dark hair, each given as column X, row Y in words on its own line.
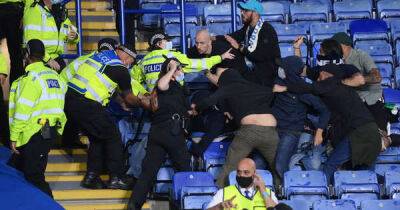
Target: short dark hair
column 332, row 48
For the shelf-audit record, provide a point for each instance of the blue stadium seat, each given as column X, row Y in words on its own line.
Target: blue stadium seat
column 369, row 30
column 391, row 96
column 309, row 11
column 388, row 9
column 220, row 28
column 380, row 51
column 151, row 19
column 265, row 175
column 219, row 13
column 381, row 169
column 174, row 31
column 287, row 50
column 334, row 205
column 350, row 9
column 395, row 30
column 356, row 185
column 380, row 204
column 395, row 127
column 296, row 204
column 386, row 70
column 197, row 81
column 321, row 31
column 390, row 155
column 305, row 185
column 397, row 77
column 289, row 33
column 164, row 180
column 190, row 14
column 214, row 157
column 200, row 4
column 192, row 189
column 392, row 184
column 274, row 12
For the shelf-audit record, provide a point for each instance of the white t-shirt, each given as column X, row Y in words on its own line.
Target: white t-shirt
column 219, row 196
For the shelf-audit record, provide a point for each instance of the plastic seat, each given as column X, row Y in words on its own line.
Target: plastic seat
column 380, row 205
column 289, row 33
column 397, row 77
column 164, row 180
column 197, row 81
column 381, row 52
column 395, row 29
column 151, row 19
column 350, row 10
column 395, row 127
column 334, row 205
column 388, row 9
column 274, row 12
column 305, row 185
column 265, row 175
column 296, row 204
column 192, row 189
column 190, row 13
column 385, row 69
column 369, row 30
column 214, row 157
column 391, row 96
column 309, row 11
column 381, row 169
column 321, row 31
column 287, row 50
column 392, row 184
column 356, row 185
column 390, row 155
column 219, row 13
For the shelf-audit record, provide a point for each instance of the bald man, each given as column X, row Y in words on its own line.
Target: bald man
column 204, row 47
column 248, row 193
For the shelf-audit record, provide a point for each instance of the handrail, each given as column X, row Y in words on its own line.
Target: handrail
column 78, row 20
column 233, row 15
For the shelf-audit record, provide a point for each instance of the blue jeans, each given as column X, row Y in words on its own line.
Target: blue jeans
column 310, row 158
column 340, row 155
column 287, row 146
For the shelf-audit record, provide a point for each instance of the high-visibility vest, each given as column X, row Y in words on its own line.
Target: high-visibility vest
column 150, row 66
column 10, row 1
column 3, row 64
column 90, row 80
column 39, row 24
column 39, row 94
column 69, row 71
column 241, row 201
column 137, row 87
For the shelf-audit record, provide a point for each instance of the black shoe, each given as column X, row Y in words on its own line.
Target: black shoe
column 132, row 205
column 120, row 183
column 92, row 181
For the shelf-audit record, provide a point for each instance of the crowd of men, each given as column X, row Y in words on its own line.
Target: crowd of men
column 265, row 98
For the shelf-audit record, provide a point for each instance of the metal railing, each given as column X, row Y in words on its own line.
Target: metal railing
column 78, row 20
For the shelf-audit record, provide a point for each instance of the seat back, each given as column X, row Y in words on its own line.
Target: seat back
column 288, row 33
column 390, row 155
column 350, row 10
column 380, row 204
column 305, row 182
column 321, row 31
column 386, row 70
column 296, row 204
column 381, row 169
column 196, row 197
column 273, row 12
column 190, row 179
column 287, row 50
column 391, row 96
column 369, row 30
column 265, row 175
column 355, row 182
column 309, row 11
column 334, row 205
column 164, row 180
column 397, row 77
column 388, row 9
column 218, row 13
column 392, row 183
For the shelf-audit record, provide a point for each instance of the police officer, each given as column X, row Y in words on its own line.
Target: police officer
column 36, row 115
column 149, row 68
column 88, row 93
column 4, row 127
column 47, row 20
column 11, row 12
column 70, row 136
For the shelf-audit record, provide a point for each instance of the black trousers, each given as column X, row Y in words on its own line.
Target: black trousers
column 161, row 142
column 105, row 140
column 32, row 161
column 380, row 114
column 10, row 19
column 4, row 127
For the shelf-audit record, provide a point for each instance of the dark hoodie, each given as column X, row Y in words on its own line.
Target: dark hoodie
column 239, row 96
column 290, row 109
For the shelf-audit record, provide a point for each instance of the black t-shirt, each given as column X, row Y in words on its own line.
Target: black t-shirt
column 170, row 102
column 219, row 46
column 120, row 75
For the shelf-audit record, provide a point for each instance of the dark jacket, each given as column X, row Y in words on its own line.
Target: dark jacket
column 265, row 57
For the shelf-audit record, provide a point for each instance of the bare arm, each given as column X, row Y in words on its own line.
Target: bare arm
column 296, row 45
column 355, row 81
column 373, row 77
column 163, row 82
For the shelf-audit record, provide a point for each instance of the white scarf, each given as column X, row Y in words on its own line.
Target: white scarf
column 251, row 43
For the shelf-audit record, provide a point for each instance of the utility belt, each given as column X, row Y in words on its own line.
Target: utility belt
column 177, row 123
column 47, row 131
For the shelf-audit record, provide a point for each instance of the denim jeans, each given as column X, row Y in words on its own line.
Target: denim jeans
column 287, row 146
column 340, row 155
column 310, row 158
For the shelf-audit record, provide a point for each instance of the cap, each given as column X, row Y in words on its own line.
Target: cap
column 167, row 60
column 128, row 50
column 107, row 44
column 343, row 38
column 292, row 64
column 252, row 5
column 35, row 48
column 156, row 38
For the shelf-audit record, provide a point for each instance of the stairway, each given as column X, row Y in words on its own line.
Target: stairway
column 64, row 172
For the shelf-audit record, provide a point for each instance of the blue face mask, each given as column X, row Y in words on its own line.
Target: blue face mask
column 180, row 77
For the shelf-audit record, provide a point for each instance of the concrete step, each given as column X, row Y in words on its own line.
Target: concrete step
column 98, row 5
column 92, row 46
column 67, row 152
column 67, row 159
column 99, row 25
column 93, row 17
column 86, row 194
column 105, row 205
column 70, row 178
column 66, row 167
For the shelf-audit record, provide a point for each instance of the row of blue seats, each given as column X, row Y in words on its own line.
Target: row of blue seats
column 344, row 205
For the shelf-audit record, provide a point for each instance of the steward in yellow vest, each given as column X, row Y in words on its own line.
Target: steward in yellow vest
column 36, row 115
column 89, row 91
column 47, row 21
column 149, row 67
column 4, row 127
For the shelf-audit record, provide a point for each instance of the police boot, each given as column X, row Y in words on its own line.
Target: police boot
column 120, row 183
column 92, row 181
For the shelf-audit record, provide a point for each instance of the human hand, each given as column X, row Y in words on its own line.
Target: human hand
column 228, row 203
column 259, row 183
column 279, row 88
column 298, row 41
column 232, row 41
column 72, row 34
column 2, row 79
column 228, row 55
column 14, row 147
column 193, row 111
column 172, row 66
column 53, row 64
column 318, row 137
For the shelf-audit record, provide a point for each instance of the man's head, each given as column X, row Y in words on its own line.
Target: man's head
column 126, row 54
column 203, row 42
column 343, row 39
column 245, row 172
column 250, row 11
column 330, row 70
column 167, row 66
column 107, row 44
column 160, row 41
column 34, row 51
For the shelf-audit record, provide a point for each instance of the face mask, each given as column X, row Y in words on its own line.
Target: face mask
column 244, row 182
column 180, row 77
column 168, row 46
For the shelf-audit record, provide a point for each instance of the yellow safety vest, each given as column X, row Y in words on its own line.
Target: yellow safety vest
column 3, row 65
column 39, row 24
column 137, row 87
column 69, row 71
column 90, row 81
column 9, row 1
column 37, row 95
column 150, row 66
column 241, row 201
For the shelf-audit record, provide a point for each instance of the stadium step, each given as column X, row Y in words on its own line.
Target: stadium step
column 90, row 5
